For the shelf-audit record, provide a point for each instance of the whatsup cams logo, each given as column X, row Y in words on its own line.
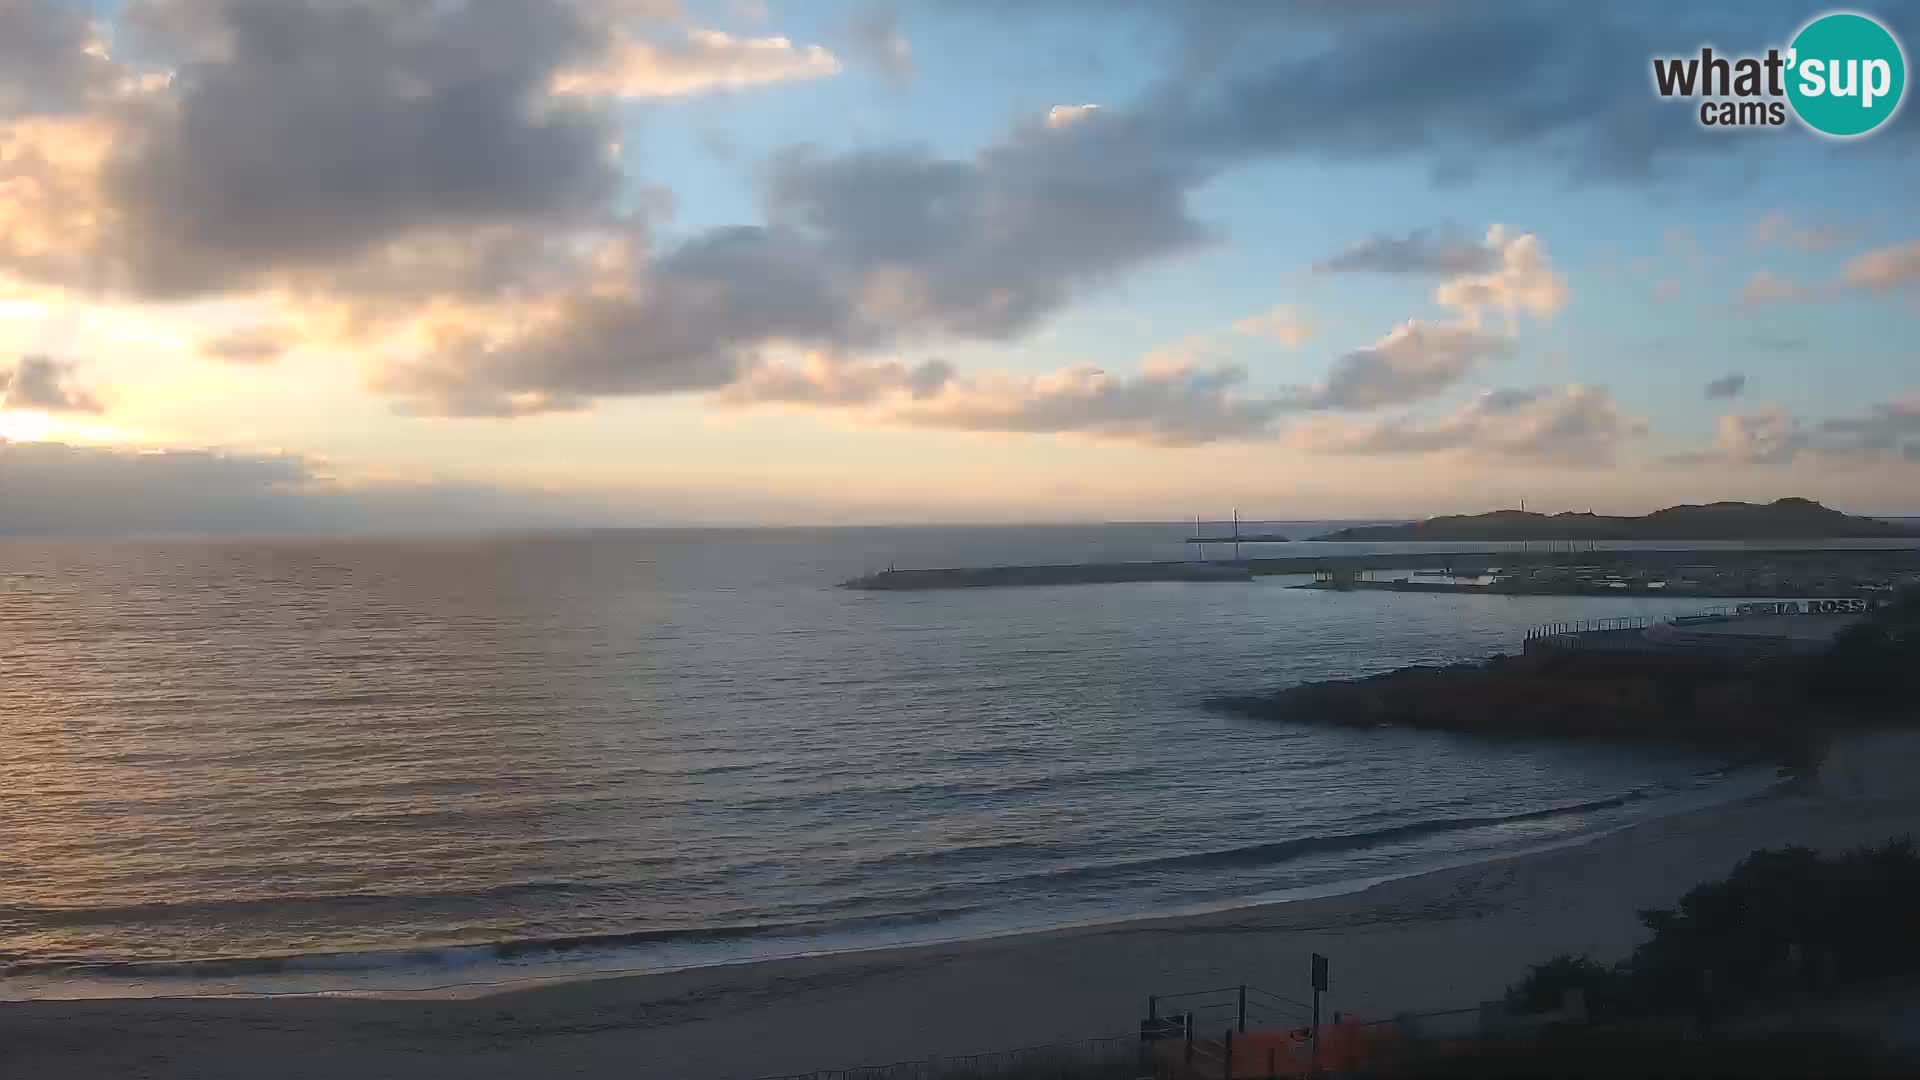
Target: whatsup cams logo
column 1843, row 75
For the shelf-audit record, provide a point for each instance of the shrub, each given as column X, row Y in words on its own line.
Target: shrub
column 1545, row 986
column 1784, row 920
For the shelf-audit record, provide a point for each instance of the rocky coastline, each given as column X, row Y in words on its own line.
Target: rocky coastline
column 1751, row 712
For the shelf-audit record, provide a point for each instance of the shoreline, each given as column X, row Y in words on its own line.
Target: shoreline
column 1735, row 782
column 1444, row 938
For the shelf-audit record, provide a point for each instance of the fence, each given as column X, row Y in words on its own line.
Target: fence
column 1589, row 626
column 1261, row 1033
column 1626, row 633
column 1226, row 1008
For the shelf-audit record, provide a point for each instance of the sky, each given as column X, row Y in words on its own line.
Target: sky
column 347, row 264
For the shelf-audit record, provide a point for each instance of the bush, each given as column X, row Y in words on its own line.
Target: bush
column 1545, row 986
column 1784, row 920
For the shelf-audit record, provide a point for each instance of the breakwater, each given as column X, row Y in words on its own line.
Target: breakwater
column 1063, row 574
column 1718, row 571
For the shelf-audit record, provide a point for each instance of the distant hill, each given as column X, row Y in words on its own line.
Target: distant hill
column 1786, row 519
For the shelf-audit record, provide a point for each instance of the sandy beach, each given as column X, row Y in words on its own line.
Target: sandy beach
column 1438, row 940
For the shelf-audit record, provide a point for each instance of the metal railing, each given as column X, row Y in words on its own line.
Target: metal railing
column 1236, row 1007
column 1589, row 626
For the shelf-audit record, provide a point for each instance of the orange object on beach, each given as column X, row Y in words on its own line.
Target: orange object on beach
column 1260, row 1054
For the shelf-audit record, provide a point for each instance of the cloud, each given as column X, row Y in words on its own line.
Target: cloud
column 1770, row 436
column 1571, row 425
column 1777, row 228
column 59, row 489
column 1509, row 273
column 1061, row 115
column 250, row 346
column 1282, row 323
column 1168, row 403
column 1766, row 288
column 55, row 488
column 1521, row 282
column 876, row 33
column 443, row 209
column 1727, row 386
column 1443, row 251
column 1463, row 86
column 51, row 222
column 1171, row 405
column 1663, row 291
column 249, row 165
column 1413, row 361
column 826, row 379
column 388, row 121
column 1888, row 431
column 49, row 59
column 865, row 250
column 1175, row 401
column 703, row 60
column 1884, row 269
column 1886, row 428
column 45, row 385
column 409, row 183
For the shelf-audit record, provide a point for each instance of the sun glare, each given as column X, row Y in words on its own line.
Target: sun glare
column 33, row 425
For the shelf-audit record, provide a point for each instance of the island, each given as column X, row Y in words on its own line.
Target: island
column 1783, row 519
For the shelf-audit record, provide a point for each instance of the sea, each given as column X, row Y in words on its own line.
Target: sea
column 436, row 764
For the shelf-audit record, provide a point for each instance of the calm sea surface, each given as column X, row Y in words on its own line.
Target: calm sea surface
column 293, row 765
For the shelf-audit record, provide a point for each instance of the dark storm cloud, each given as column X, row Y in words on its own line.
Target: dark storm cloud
column 45, row 385
column 311, row 131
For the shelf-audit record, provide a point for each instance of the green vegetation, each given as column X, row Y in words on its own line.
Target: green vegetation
column 1785, row 921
